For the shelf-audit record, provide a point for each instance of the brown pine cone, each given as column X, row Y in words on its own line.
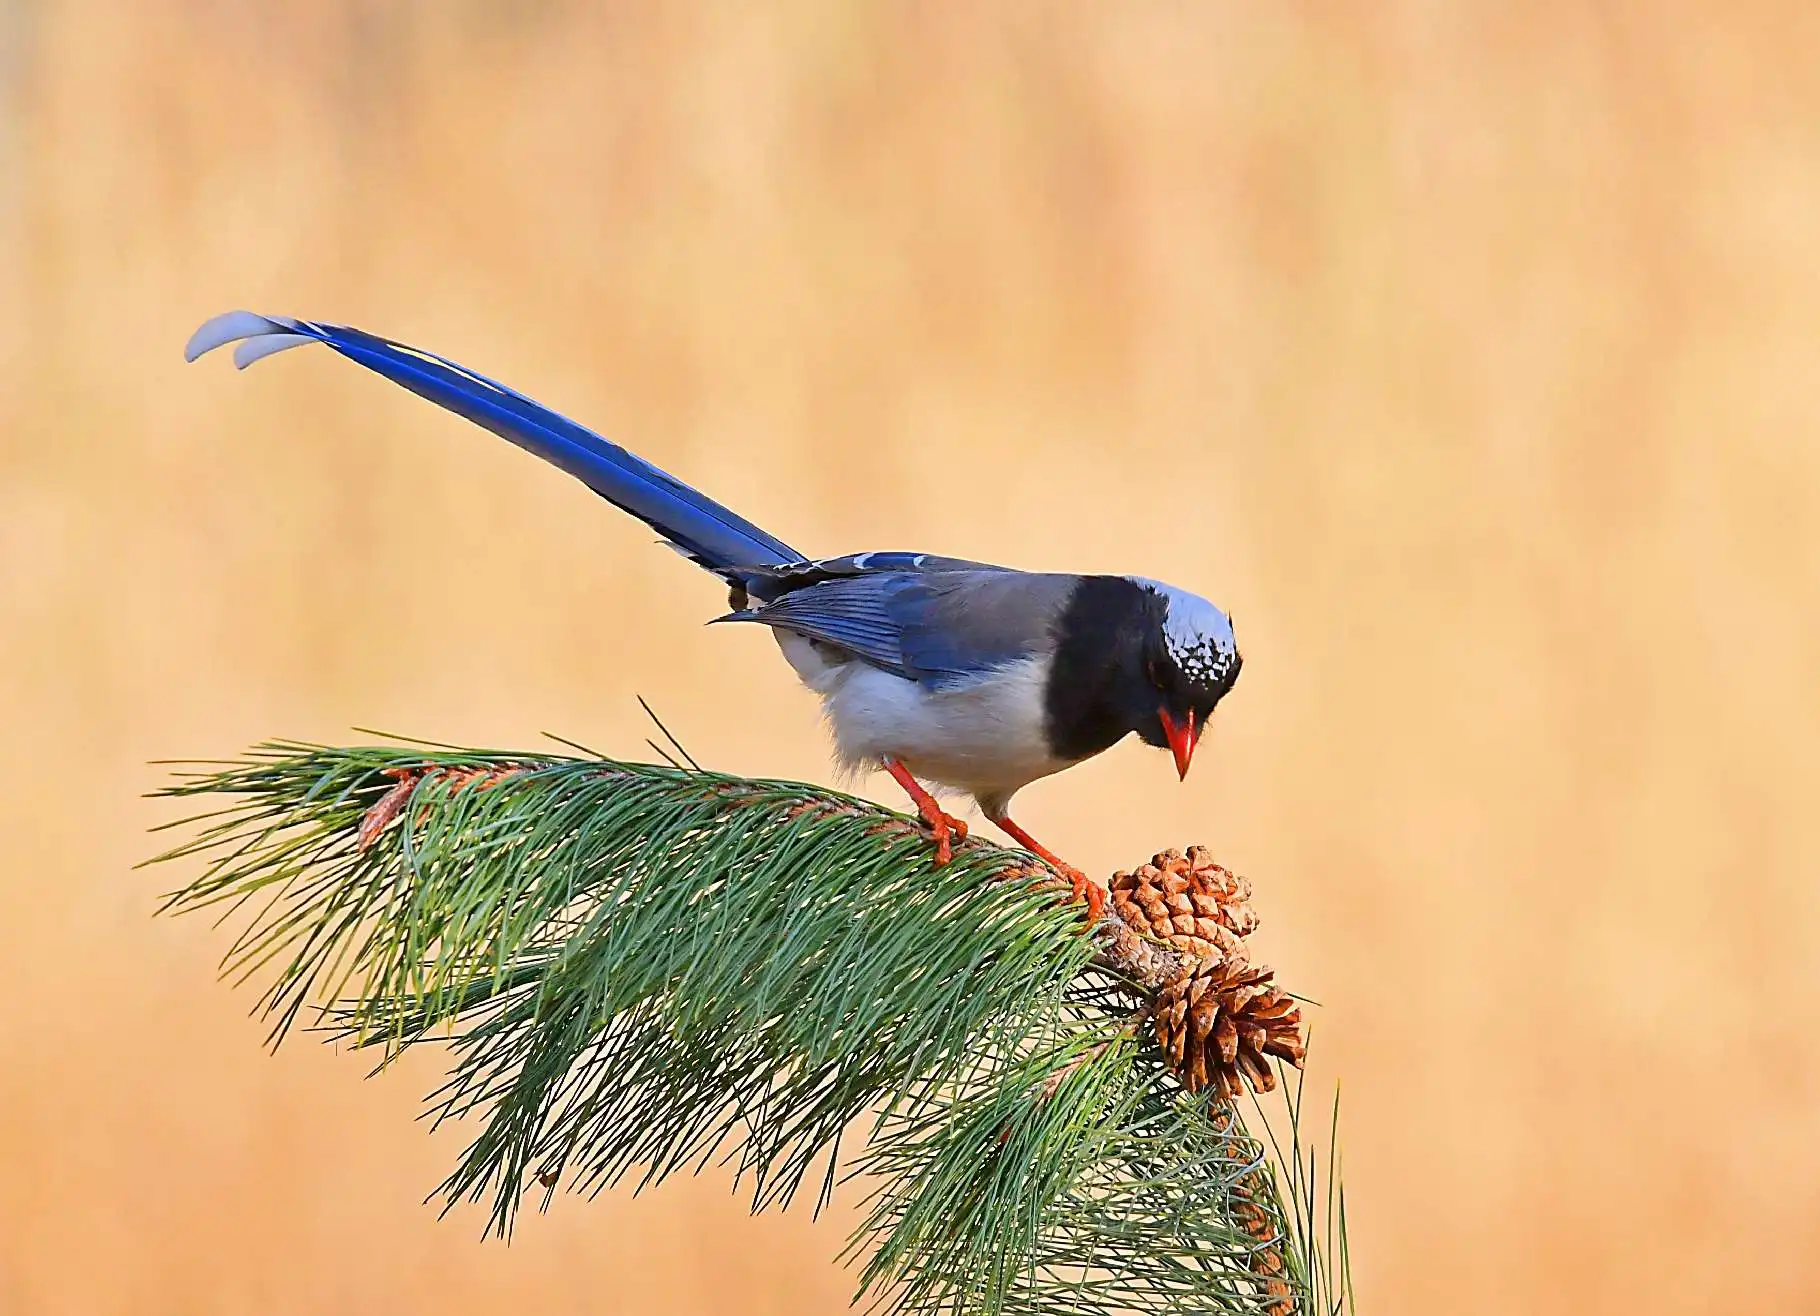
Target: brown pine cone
column 1189, row 902
column 1220, row 1020
column 1267, row 1261
column 1248, row 1194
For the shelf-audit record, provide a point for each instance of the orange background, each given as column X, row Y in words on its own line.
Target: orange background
column 1466, row 352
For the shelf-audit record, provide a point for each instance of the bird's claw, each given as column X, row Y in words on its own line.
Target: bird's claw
column 1084, row 889
column 1081, row 888
column 947, row 829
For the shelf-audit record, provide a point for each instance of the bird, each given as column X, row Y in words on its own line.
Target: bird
column 974, row 678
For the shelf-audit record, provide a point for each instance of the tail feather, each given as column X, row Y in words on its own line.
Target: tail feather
column 701, row 528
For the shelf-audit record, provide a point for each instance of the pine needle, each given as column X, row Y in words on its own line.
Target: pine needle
column 647, row 970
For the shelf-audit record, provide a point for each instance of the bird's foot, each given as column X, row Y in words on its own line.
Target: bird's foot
column 946, row 828
column 1081, row 887
column 1085, row 889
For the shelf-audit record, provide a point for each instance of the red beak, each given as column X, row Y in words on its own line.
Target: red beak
column 1182, row 739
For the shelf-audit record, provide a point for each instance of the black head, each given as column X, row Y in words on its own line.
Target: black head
column 1136, row 655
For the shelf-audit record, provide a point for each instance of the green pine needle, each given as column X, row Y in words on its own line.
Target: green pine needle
column 645, row 970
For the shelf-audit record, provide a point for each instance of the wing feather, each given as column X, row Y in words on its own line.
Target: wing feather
column 938, row 628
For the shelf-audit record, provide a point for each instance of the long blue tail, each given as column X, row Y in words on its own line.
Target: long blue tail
column 701, row 528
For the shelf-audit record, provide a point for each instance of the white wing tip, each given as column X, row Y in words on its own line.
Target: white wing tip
column 264, row 334
column 257, row 349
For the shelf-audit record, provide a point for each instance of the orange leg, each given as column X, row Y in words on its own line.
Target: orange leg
column 1085, row 888
column 944, row 826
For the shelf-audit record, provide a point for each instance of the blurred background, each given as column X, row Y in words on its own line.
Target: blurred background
column 1466, row 352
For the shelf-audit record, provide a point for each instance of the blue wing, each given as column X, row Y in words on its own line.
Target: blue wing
column 856, row 613
column 939, row 628
column 710, row 534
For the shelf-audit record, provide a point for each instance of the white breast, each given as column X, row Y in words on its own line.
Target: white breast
column 985, row 738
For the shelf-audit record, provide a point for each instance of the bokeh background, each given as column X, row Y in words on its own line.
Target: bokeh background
column 1466, row 352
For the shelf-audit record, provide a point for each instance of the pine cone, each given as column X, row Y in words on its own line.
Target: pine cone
column 1189, row 902
column 1220, row 1019
column 1267, row 1261
column 1248, row 1196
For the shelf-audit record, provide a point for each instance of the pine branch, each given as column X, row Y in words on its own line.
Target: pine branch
column 642, row 970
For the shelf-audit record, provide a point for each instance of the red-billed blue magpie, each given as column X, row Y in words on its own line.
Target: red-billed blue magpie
column 972, row 677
